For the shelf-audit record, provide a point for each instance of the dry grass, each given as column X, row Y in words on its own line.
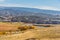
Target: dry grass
column 43, row 33
column 9, row 26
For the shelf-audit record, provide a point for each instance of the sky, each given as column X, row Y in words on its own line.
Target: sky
column 40, row 4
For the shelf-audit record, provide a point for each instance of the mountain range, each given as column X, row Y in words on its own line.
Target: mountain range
column 17, row 14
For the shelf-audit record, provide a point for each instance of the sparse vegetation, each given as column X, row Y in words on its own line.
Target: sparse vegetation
column 25, row 28
column 44, row 25
column 32, row 39
column 42, row 33
column 47, row 26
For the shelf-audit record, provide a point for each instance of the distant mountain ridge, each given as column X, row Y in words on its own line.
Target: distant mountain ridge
column 17, row 14
column 35, row 10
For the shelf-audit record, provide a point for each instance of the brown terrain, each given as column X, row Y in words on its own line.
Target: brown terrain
column 45, row 32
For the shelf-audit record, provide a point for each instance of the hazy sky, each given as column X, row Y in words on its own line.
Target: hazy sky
column 40, row 4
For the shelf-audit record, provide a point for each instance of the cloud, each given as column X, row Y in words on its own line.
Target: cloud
column 47, row 8
column 30, row 6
